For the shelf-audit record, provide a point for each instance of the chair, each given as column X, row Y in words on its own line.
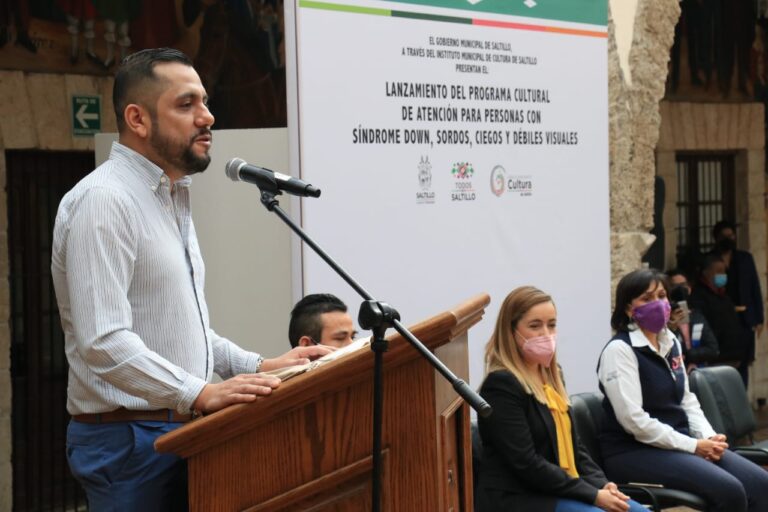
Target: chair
column 588, row 414
column 724, row 401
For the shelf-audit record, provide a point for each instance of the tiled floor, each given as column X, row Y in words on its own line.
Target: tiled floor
column 760, row 434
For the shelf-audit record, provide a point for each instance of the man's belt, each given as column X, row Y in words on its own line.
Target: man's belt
column 123, row 414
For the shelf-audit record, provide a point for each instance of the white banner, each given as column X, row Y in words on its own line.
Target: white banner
column 460, row 150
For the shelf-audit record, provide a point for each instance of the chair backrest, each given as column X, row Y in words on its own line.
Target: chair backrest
column 587, row 412
column 724, row 400
column 703, row 391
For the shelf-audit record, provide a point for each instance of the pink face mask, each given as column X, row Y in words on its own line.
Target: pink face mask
column 540, row 349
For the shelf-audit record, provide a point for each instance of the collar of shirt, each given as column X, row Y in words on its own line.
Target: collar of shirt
column 638, row 339
column 148, row 172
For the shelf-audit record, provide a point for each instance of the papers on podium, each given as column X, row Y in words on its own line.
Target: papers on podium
column 291, row 371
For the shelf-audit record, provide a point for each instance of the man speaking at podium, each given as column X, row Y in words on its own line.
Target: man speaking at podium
column 129, row 277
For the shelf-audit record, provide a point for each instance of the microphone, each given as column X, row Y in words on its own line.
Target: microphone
column 239, row 170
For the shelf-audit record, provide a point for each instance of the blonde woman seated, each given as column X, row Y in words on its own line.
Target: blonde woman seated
column 532, row 458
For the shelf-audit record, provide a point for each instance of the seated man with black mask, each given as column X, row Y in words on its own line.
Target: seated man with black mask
column 321, row 319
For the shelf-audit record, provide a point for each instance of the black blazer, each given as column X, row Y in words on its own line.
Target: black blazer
column 520, row 469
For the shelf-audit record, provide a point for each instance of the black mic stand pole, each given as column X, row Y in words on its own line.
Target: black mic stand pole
column 377, row 317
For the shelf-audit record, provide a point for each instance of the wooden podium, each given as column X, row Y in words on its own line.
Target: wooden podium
column 308, row 445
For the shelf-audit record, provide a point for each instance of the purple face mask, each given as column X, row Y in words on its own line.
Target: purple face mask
column 653, row 316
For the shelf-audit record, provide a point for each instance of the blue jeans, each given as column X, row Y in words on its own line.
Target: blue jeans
column 118, row 467
column 733, row 484
column 565, row 505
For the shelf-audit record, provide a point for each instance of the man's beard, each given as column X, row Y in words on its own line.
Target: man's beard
column 183, row 158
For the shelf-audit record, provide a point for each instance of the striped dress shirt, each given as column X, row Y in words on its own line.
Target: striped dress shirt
column 129, row 277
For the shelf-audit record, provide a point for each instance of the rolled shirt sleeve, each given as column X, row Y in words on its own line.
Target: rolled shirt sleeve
column 230, row 359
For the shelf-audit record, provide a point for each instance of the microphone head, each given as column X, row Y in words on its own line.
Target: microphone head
column 233, row 168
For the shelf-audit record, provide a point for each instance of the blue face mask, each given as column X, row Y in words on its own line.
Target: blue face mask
column 720, row 280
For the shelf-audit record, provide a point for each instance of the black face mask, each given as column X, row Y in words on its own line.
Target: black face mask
column 679, row 293
column 726, row 244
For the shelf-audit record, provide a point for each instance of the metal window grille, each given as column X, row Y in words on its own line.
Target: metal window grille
column 36, row 182
column 705, row 184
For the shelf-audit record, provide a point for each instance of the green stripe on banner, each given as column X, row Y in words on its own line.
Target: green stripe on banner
column 594, row 12
column 345, row 8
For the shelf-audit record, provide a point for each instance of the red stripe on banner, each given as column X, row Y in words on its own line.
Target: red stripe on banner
column 539, row 28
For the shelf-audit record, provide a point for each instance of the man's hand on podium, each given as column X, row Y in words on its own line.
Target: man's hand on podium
column 247, row 386
column 241, row 388
column 296, row 356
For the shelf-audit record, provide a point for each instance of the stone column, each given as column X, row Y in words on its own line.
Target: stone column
column 634, row 94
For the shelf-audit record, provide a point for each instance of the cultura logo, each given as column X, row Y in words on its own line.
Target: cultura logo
column 498, row 180
column 462, row 170
column 520, row 185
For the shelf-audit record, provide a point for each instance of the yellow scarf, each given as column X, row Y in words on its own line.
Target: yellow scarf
column 559, row 409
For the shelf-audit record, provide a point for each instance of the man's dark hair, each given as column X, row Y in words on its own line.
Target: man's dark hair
column 305, row 316
column 134, row 74
column 720, row 226
column 709, row 260
column 630, row 287
column 675, row 271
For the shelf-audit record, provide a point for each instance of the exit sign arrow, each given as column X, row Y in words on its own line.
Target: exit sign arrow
column 86, row 115
column 82, row 116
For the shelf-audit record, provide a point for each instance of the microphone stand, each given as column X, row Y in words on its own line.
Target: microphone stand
column 377, row 317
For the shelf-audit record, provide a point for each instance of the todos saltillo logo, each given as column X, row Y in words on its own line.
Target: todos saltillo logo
column 463, row 191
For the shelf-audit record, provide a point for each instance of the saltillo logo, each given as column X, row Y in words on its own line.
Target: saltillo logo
column 425, row 195
column 463, row 189
column 498, row 180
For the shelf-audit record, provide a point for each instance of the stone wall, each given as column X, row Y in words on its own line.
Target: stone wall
column 35, row 115
column 634, row 94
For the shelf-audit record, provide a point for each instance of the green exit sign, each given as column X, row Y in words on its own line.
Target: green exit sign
column 86, row 115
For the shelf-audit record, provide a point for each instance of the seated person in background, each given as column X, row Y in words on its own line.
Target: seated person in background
column 654, row 429
column 532, row 459
column 321, row 319
column 691, row 329
column 709, row 298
